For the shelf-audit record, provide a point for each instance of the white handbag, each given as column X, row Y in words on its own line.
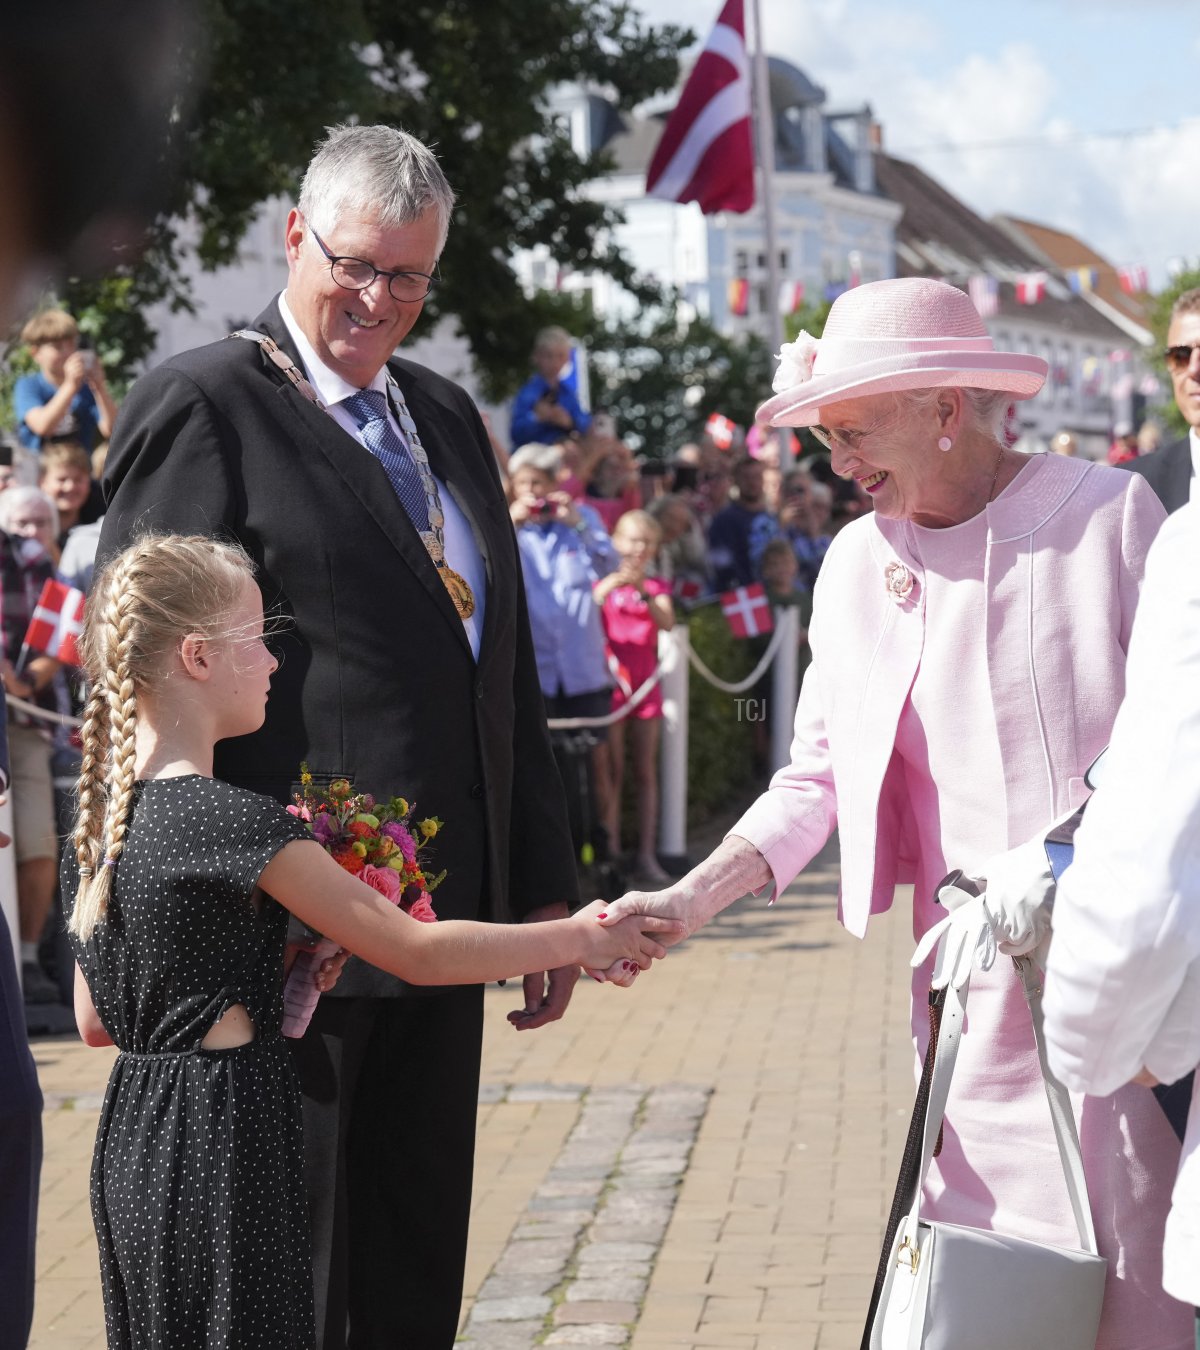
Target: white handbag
column 949, row 1287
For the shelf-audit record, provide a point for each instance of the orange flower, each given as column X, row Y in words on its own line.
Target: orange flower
column 360, row 829
column 347, row 858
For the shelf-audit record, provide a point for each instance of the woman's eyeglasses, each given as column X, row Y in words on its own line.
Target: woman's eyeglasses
column 1179, row 357
column 848, row 440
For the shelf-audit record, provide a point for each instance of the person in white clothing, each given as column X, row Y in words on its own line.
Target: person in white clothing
column 1123, row 975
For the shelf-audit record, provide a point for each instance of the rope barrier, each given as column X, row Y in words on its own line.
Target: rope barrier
column 643, row 691
column 61, row 719
column 755, row 675
column 641, row 694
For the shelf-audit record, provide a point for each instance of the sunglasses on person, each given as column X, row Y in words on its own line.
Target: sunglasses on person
column 848, row 440
column 1179, row 357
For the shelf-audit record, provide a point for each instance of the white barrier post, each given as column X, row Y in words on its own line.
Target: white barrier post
column 784, row 686
column 8, row 884
column 673, row 765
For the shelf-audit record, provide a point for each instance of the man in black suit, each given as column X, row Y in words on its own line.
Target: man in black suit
column 1171, row 469
column 406, row 666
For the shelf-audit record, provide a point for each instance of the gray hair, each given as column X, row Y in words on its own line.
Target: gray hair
column 554, row 336
column 987, row 408
column 14, row 498
column 378, row 172
column 535, row 455
column 1186, row 303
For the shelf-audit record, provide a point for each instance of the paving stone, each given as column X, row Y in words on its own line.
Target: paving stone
column 596, row 1333
column 502, row 1336
column 517, row 1286
column 605, row 1289
column 545, row 1092
column 574, row 1186
column 613, row 1312
column 600, row 1253
column 523, row 1306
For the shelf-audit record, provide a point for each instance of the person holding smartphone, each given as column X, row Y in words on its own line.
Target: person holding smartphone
column 547, row 408
column 68, row 397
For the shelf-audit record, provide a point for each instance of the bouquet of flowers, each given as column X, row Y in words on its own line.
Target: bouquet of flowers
column 378, row 842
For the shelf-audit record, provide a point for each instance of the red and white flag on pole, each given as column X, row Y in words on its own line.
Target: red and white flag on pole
column 57, row 622
column 1134, row 280
column 748, row 611
column 985, row 294
column 706, row 154
column 1031, row 288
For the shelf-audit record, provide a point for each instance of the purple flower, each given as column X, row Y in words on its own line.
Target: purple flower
column 324, row 829
column 395, row 831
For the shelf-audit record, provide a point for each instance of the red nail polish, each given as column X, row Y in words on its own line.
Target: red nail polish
column 602, row 916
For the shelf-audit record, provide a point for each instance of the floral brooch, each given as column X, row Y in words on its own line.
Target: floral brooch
column 899, row 582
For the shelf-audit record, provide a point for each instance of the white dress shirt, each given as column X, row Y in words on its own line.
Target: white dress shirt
column 462, row 553
column 1194, row 446
column 1123, row 981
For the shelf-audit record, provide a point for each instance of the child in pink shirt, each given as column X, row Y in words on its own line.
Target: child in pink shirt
column 634, row 608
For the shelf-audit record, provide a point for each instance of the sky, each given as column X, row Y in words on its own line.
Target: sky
column 1060, row 84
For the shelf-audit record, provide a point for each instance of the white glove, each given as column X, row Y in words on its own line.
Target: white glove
column 1002, row 910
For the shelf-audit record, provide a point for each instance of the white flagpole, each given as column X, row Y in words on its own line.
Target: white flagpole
column 773, row 326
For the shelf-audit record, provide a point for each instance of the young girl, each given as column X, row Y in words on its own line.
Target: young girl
column 182, row 885
column 635, row 608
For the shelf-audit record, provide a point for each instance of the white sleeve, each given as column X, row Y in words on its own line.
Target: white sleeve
column 1127, row 914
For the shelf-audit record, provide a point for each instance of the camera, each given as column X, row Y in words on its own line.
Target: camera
column 541, row 509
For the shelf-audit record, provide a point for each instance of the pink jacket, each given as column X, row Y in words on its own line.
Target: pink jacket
column 1062, row 581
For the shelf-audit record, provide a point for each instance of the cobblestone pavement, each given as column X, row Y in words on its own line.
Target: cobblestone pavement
column 702, row 1161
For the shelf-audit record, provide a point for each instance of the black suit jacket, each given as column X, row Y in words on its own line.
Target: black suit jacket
column 1168, row 471
column 376, row 681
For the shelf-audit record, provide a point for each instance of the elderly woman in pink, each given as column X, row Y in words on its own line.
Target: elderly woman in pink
column 968, row 643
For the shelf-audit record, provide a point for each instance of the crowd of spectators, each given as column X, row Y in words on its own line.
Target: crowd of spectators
column 50, row 508
column 687, row 524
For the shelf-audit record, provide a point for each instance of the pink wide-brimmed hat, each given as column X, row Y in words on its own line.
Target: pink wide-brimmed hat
column 910, row 333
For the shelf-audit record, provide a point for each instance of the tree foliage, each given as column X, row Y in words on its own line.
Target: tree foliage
column 662, row 375
column 469, row 79
column 1160, row 321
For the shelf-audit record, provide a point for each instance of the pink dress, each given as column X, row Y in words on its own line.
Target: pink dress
column 948, row 717
column 633, row 640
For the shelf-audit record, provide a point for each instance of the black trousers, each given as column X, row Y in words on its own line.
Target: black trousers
column 20, row 1157
column 391, row 1089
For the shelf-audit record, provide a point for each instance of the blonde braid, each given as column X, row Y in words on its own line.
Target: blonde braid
column 112, row 706
column 142, row 604
column 89, row 820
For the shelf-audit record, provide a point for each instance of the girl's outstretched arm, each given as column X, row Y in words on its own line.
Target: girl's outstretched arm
column 307, row 881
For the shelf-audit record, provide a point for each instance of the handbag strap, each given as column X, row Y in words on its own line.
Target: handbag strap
column 1061, row 1115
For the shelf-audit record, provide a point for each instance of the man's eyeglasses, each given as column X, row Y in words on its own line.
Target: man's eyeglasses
column 356, row 274
column 1179, row 357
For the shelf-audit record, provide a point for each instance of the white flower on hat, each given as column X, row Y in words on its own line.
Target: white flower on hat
column 795, row 362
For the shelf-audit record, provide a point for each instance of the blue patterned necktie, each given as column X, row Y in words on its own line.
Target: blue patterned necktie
column 369, row 409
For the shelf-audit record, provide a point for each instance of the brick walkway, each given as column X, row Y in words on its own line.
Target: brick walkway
column 702, row 1161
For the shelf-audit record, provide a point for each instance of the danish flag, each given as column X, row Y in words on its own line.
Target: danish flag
column 57, row 622
column 748, row 611
column 706, row 154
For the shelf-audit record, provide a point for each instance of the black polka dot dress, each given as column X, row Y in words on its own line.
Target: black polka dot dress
column 197, row 1179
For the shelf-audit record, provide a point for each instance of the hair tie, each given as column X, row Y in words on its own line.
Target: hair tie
column 85, row 870
column 110, row 862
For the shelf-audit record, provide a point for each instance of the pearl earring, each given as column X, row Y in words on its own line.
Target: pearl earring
column 944, row 443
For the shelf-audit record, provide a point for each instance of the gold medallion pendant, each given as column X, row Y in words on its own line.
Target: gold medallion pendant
column 459, row 591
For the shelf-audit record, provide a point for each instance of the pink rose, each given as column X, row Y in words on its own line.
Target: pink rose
column 384, row 880
column 795, row 362
column 421, row 909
